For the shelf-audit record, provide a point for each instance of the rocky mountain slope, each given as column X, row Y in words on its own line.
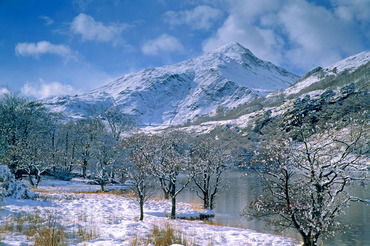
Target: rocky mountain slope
column 171, row 95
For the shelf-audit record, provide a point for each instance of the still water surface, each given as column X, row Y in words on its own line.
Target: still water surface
column 244, row 187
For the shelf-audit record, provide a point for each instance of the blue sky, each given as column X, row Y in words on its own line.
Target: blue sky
column 56, row 47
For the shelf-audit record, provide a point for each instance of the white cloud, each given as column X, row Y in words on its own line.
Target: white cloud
column 316, row 35
column 252, row 24
column 47, row 19
column 201, row 17
column 42, row 48
column 296, row 34
column 164, row 43
column 263, row 42
column 91, row 30
column 43, row 90
column 352, row 9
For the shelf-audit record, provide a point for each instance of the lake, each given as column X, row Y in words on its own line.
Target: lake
column 243, row 187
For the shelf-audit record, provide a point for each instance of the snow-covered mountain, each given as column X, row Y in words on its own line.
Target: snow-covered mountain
column 333, row 85
column 171, row 95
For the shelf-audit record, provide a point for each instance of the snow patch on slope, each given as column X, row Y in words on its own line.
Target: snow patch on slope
column 351, row 63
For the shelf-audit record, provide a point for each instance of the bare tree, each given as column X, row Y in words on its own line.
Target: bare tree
column 69, row 135
column 11, row 127
column 305, row 183
column 33, row 158
column 138, row 171
column 32, row 132
column 89, row 133
column 209, row 160
column 171, row 159
column 104, row 155
column 118, row 122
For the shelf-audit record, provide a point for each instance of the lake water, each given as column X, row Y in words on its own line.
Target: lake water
column 244, row 187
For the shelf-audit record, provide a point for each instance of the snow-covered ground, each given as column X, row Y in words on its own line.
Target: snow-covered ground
column 115, row 217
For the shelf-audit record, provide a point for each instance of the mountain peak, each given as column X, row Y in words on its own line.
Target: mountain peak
column 232, row 47
column 234, row 51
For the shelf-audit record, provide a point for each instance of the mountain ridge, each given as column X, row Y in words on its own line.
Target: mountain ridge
column 174, row 94
column 317, row 75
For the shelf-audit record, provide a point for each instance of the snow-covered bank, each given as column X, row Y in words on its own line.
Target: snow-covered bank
column 115, row 217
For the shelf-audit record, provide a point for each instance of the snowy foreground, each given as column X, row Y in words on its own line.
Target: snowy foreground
column 114, row 218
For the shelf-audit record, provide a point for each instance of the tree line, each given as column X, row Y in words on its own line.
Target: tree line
column 36, row 142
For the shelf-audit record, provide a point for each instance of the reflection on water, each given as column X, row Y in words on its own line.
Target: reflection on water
column 357, row 217
column 244, row 187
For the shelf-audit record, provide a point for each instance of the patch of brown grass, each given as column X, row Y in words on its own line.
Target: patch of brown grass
column 121, row 192
column 46, row 230
column 163, row 235
column 83, row 234
column 196, row 206
column 214, row 223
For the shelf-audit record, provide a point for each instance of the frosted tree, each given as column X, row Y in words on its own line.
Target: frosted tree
column 118, row 122
column 209, row 160
column 56, row 151
column 76, row 140
column 104, row 156
column 138, row 170
column 12, row 127
column 305, row 182
column 87, row 133
column 69, row 144
column 33, row 158
column 172, row 158
column 30, row 152
column 9, row 186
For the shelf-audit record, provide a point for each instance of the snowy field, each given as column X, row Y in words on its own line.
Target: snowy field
column 113, row 218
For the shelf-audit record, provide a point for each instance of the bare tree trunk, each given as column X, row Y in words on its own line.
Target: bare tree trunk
column 173, row 199
column 205, row 200
column 38, row 179
column 141, row 208
column 30, row 179
column 309, row 241
column 102, row 186
column 84, row 168
column 166, row 195
column 166, row 192
column 173, row 209
column 212, row 201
